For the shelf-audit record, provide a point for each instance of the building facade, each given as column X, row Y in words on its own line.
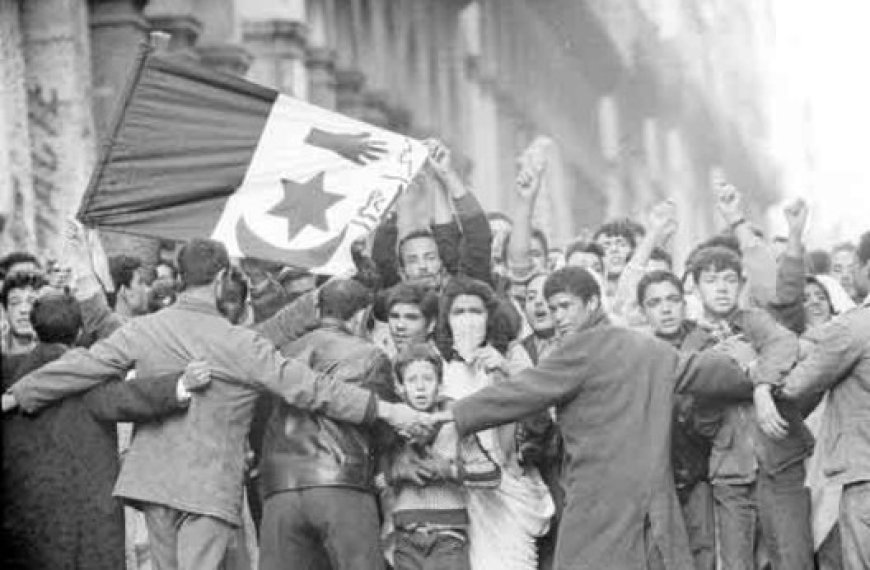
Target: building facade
column 645, row 99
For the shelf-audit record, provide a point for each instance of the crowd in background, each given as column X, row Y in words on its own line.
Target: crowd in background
column 289, row 420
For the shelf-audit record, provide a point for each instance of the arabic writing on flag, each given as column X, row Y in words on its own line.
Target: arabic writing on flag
column 198, row 153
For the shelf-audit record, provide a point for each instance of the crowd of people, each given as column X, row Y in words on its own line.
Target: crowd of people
column 469, row 398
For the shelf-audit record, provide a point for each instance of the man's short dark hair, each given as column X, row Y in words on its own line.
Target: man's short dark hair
column 585, row 247
column 573, row 280
column 619, row 228
column 410, row 294
column 17, row 257
column 653, row 278
column 342, row 298
column 33, row 281
column 56, row 317
column 200, row 260
column 715, row 259
column 863, row 251
column 819, row 262
column 123, row 268
column 659, row 254
column 416, row 234
column 418, row 352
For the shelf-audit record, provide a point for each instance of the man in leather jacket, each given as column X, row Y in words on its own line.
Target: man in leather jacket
column 317, row 474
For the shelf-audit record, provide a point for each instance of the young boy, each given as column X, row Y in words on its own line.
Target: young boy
column 757, row 460
column 660, row 295
column 430, row 516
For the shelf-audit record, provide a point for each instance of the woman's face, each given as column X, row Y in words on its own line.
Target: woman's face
column 816, row 305
column 467, row 319
column 465, row 306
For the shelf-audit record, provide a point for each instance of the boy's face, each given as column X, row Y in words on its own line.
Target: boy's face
column 407, row 325
column 19, row 304
column 537, row 312
column 664, row 307
column 420, row 385
column 719, row 291
column 617, row 250
column 570, row 312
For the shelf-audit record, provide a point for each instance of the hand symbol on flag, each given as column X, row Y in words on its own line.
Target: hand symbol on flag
column 358, row 148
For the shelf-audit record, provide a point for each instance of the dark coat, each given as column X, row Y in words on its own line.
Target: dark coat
column 59, row 468
column 614, row 391
column 301, row 449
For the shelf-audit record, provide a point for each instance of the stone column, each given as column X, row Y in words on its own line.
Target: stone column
column 176, row 18
column 320, row 53
column 17, row 204
column 320, row 62
column 349, row 84
column 220, row 43
column 278, row 46
column 118, row 28
column 62, row 139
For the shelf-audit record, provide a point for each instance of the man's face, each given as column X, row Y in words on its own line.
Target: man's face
column 19, row 305
column 617, row 250
column 843, row 269
column 420, row 385
column 588, row 261
column 538, row 255
column 537, row 312
column 664, row 307
column 136, row 295
column 570, row 312
column 59, row 276
column 816, row 306
column 421, row 262
column 407, row 325
column 297, row 287
column 719, row 291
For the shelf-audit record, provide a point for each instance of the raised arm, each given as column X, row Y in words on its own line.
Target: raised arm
column 530, row 177
column 759, row 261
column 662, row 225
column 791, row 274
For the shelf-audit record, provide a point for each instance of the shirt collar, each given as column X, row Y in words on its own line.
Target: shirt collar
column 196, row 304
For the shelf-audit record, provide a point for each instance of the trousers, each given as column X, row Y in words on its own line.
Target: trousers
column 778, row 506
column 180, row 540
column 320, row 528
column 855, row 525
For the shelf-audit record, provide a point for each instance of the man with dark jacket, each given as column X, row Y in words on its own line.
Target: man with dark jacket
column 613, row 389
column 660, row 295
column 60, row 465
column 317, row 474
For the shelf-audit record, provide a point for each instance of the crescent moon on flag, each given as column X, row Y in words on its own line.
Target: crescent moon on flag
column 251, row 245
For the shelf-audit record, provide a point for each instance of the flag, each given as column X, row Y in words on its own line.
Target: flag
column 198, row 153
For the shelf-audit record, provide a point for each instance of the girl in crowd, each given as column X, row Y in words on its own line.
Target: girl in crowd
column 474, row 336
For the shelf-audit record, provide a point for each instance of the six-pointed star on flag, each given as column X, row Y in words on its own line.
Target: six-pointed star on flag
column 305, row 204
